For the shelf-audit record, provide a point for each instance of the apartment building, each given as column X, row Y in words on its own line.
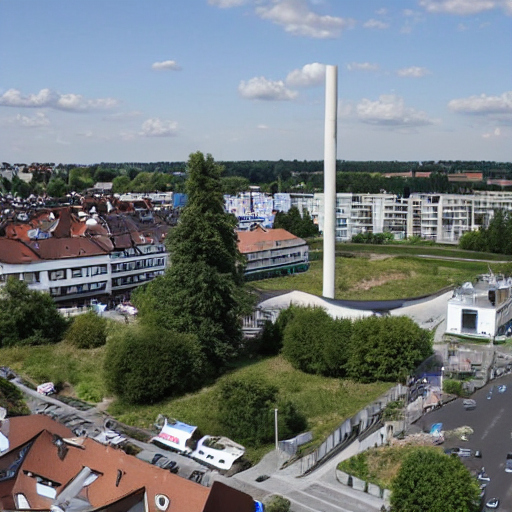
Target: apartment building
column 77, row 255
column 272, row 252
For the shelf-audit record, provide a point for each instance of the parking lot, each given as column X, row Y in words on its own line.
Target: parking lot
column 491, row 422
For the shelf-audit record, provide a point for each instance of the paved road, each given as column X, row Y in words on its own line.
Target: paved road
column 491, row 422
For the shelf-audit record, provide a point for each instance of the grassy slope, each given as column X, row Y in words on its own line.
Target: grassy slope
column 362, row 278
column 378, row 465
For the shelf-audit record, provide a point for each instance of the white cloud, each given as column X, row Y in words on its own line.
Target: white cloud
column 225, row 4
column 375, row 24
column 465, row 7
column 412, row 18
column 362, row 66
column 122, row 116
column 156, row 127
column 297, row 19
column 51, row 99
column 262, row 127
column 413, row 72
column 390, row 110
column 262, row 89
column 166, row 65
column 381, row 12
column 310, row 75
column 32, row 122
column 495, row 133
column 483, row 104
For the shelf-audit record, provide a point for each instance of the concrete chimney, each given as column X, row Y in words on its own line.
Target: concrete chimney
column 331, row 106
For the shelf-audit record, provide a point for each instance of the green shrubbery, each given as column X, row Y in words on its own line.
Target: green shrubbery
column 453, row 387
column 144, row 364
column 88, row 331
column 366, row 350
column 11, row 399
column 28, row 317
column 277, row 504
column 246, row 412
column 430, row 480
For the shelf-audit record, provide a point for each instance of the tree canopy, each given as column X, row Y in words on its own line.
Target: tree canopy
column 430, row 480
column 27, row 316
column 202, row 292
column 367, row 350
column 144, row 364
column 297, row 224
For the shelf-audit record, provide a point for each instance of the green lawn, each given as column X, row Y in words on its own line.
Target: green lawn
column 326, row 402
column 60, row 363
column 383, row 278
column 406, row 249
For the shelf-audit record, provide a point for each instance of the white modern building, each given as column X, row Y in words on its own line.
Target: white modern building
column 482, row 309
column 442, row 218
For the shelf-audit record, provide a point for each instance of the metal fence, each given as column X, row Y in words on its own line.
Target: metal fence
column 350, row 430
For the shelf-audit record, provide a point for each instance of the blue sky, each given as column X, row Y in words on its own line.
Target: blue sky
column 86, row 81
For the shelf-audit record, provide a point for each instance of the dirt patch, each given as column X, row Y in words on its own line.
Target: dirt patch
column 368, row 284
column 378, row 257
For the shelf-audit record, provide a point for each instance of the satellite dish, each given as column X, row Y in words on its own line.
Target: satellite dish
column 91, row 222
column 3, row 414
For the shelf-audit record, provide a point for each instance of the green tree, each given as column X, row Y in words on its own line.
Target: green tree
column 80, row 178
column 430, row 480
column 88, row 331
column 144, row 364
column 316, row 343
column 297, row 224
column 202, row 292
column 28, row 316
column 121, row 184
column 386, row 348
column 277, row 504
column 56, row 187
column 233, row 185
column 246, row 411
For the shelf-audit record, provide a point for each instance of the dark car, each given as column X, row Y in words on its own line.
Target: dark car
column 508, row 463
column 163, row 462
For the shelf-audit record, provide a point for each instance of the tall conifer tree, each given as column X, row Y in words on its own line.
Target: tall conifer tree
column 202, row 292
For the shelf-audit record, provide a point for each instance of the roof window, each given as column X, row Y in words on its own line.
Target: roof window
column 162, row 502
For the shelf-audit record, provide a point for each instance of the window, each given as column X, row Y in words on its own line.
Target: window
column 76, row 272
column 56, row 275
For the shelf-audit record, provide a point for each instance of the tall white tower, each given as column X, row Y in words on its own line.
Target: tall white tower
column 331, row 106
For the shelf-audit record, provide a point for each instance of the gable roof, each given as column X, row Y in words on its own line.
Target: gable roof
column 260, row 239
column 121, row 478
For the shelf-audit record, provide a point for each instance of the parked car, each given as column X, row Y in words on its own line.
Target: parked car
column 493, row 503
column 164, row 462
column 469, row 404
column 508, row 463
column 461, row 452
column 478, row 454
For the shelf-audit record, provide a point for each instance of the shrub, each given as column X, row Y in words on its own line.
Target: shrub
column 277, row 504
column 246, row 411
column 144, row 364
column 453, row 387
column 316, row 343
column 88, row 331
column 27, row 316
column 11, row 399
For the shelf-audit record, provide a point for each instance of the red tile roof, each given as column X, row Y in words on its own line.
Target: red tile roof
column 261, row 239
column 42, row 460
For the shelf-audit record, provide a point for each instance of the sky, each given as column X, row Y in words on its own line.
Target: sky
column 90, row 81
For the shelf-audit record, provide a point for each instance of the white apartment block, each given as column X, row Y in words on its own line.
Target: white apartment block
column 442, row 218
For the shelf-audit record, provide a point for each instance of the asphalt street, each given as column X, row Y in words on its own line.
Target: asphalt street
column 491, row 422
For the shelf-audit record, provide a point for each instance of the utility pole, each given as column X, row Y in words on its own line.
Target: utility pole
column 275, row 428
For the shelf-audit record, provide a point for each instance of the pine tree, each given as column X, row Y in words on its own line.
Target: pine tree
column 202, row 292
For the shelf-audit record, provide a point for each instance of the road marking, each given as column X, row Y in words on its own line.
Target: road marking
column 493, row 424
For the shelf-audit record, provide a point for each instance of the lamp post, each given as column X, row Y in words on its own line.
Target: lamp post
column 442, row 373
column 275, row 428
